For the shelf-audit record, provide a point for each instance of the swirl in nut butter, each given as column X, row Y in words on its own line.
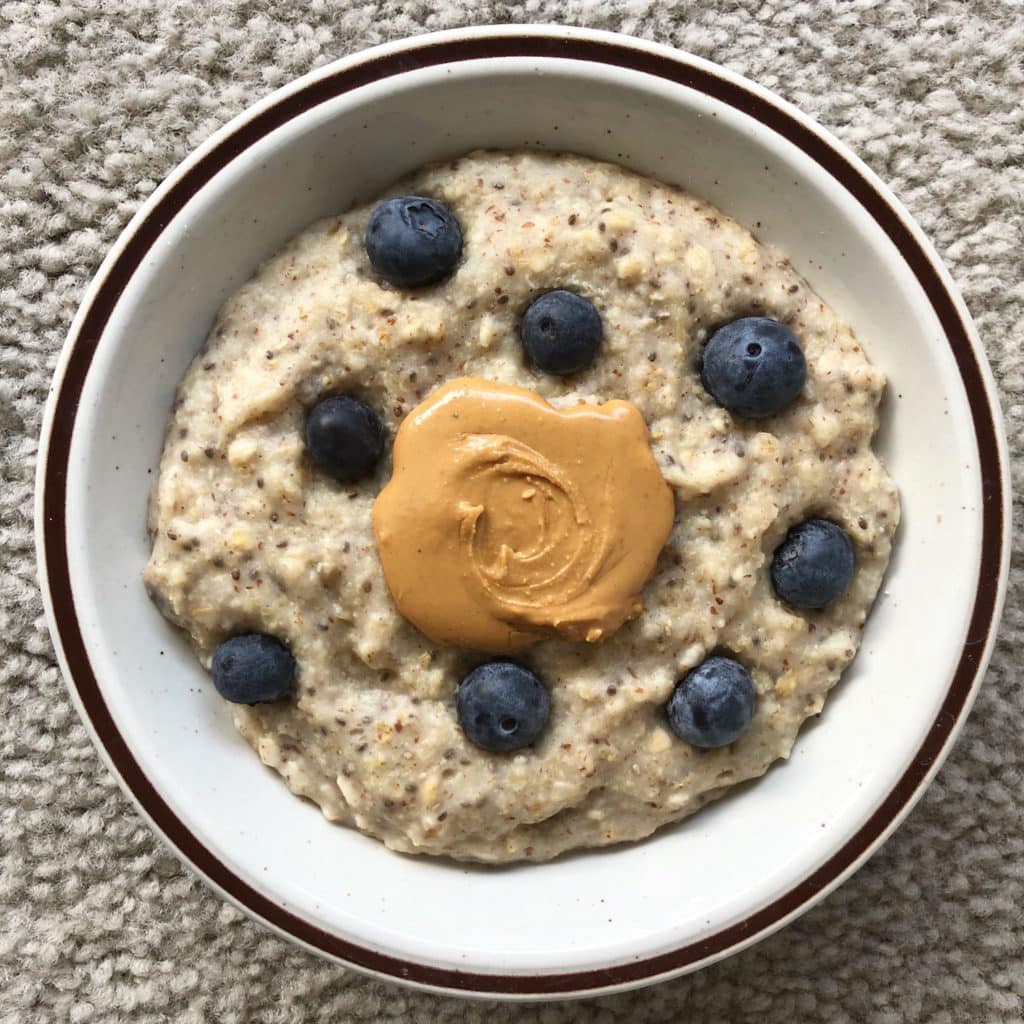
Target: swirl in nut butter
column 507, row 521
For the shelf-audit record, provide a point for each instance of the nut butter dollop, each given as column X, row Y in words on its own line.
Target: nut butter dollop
column 506, row 520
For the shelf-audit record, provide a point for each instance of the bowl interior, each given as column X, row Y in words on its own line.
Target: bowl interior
column 588, row 910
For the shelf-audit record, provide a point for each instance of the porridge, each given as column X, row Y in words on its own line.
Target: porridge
column 627, row 542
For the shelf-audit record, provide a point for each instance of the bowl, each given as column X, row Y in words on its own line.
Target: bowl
column 590, row 922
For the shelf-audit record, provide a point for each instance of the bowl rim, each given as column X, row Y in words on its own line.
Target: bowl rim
column 494, row 43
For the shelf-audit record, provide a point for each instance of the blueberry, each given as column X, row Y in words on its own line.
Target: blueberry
column 813, row 565
column 502, row 706
column 562, row 332
column 713, row 705
column 754, row 367
column 344, row 437
column 253, row 669
column 413, row 241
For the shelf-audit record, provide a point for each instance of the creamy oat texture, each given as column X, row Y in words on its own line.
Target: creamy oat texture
column 248, row 535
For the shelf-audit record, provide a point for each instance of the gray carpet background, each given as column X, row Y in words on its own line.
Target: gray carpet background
column 98, row 102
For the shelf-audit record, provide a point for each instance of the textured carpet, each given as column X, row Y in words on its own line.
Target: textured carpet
column 98, row 102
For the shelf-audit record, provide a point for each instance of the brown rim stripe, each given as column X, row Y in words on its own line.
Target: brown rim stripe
column 83, row 346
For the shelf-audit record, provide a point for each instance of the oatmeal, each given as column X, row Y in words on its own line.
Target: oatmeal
column 253, row 535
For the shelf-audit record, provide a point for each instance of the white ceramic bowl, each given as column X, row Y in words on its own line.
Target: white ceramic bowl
column 594, row 921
